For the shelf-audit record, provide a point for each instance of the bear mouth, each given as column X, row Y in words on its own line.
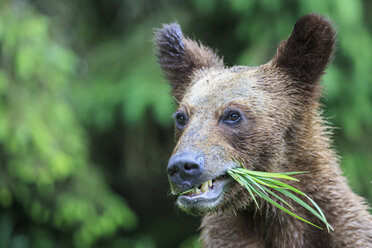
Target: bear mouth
column 204, row 197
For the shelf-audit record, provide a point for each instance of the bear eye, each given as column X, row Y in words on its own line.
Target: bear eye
column 232, row 117
column 180, row 119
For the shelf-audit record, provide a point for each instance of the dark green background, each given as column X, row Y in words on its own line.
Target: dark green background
column 85, row 115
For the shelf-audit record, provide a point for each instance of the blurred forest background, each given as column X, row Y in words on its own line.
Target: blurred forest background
column 85, row 115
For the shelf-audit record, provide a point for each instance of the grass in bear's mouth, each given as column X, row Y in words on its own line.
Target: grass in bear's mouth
column 262, row 184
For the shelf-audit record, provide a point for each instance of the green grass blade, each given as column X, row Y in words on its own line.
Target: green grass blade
column 281, row 199
column 260, row 183
column 293, row 173
column 263, row 174
column 319, row 213
column 251, row 189
column 287, row 211
column 238, row 178
column 251, row 193
column 255, row 183
column 266, row 182
column 187, row 191
column 302, row 203
column 284, row 185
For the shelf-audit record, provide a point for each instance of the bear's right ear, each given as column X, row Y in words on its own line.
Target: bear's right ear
column 307, row 52
column 179, row 57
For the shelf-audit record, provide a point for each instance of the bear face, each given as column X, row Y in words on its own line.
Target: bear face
column 229, row 117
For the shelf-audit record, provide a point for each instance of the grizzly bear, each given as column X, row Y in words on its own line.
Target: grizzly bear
column 268, row 118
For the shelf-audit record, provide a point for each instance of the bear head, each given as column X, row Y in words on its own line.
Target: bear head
column 237, row 116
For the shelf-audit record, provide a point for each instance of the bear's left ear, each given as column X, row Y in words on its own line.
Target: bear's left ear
column 180, row 57
column 307, row 52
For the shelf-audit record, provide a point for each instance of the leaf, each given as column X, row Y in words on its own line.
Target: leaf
column 264, row 174
column 288, row 211
column 240, row 181
column 188, row 191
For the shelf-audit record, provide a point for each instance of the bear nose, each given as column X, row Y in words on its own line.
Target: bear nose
column 185, row 168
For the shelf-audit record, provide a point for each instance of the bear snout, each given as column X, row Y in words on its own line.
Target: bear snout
column 185, row 168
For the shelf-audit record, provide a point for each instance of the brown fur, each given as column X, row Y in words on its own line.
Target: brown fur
column 179, row 57
column 281, row 130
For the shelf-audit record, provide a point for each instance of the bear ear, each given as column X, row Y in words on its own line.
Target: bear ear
column 179, row 57
column 306, row 53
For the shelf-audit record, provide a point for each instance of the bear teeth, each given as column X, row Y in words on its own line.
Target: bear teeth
column 204, row 187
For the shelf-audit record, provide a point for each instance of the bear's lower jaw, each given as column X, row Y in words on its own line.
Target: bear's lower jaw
column 204, row 202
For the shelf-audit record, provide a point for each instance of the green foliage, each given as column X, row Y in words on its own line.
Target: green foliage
column 191, row 242
column 44, row 161
column 131, row 82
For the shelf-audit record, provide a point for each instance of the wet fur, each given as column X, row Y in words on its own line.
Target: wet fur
column 282, row 130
